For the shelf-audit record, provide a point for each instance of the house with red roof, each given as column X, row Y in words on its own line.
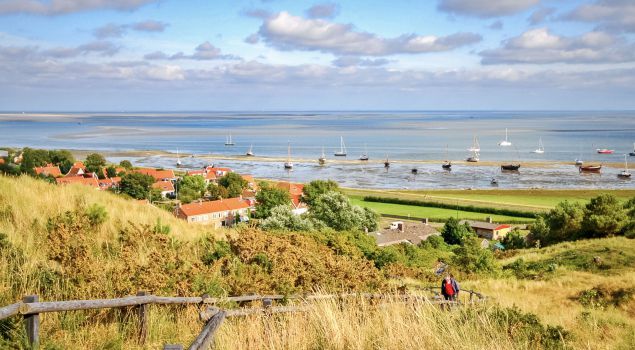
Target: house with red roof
column 157, row 174
column 109, row 182
column 220, row 172
column 48, row 170
column 166, row 188
column 295, row 193
column 88, row 181
column 220, row 213
column 78, row 169
column 488, row 229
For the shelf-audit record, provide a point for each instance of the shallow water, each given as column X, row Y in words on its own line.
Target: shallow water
column 398, row 135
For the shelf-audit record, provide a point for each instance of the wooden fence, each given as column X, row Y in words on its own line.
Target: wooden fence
column 31, row 307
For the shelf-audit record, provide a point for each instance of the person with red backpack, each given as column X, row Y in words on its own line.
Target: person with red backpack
column 447, row 289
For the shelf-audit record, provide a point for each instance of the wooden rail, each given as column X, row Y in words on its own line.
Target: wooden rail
column 30, row 308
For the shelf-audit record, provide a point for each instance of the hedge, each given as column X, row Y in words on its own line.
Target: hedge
column 471, row 208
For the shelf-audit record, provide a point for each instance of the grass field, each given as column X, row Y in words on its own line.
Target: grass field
column 430, row 213
column 535, row 200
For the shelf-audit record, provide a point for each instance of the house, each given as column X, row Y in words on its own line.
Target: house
column 220, row 172
column 157, row 174
column 250, row 196
column 78, row 169
column 3, row 154
column 224, row 212
column 251, row 183
column 295, row 193
column 166, row 188
column 48, row 170
column 488, row 229
column 404, row 232
column 108, row 183
column 89, row 181
column 1, row 161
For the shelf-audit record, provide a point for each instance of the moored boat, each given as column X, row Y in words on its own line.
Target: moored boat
column 625, row 174
column 342, row 151
column 447, row 165
column 250, row 152
column 505, row 142
column 540, row 149
column 632, row 154
column 229, row 141
column 364, row 156
column 605, row 151
column 386, row 162
column 510, row 167
column 590, row 168
column 288, row 165
column 322, row 159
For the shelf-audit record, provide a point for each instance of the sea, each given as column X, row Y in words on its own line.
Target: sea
column 404, row 137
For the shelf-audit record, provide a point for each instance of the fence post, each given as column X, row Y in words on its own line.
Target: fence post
column 143, row 319
column 172, row 347
column 32, row 323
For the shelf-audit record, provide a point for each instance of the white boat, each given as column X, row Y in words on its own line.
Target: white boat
column 178, row 159
column 288, row 164
column 541, row 148
column 632, row 154
column 625, row 174
column 365, row 155
column 250, row 153
column 447, row 165
column 475, row 146
column 342, row 151
column 505, row 143
column 322, row 159
column 229, row 141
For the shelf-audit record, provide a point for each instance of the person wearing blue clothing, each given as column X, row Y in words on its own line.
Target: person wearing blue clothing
column 456, row 287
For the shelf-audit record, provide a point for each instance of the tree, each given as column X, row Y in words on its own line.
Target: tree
column 283, row 219
column 564, row 221
column 604, row 216
column 191, row 188
column 111, row 171
column 95, row 163
column 234, row 183
column 316, row 188
column 136, row 185
column 32, row 158
column 629, row 227
column 472, row 259
column 270, row 197
column 455, row 233
column 514, row 240
column 62, row 158
column 125, row 164
column 217, row 192
column 335, row 210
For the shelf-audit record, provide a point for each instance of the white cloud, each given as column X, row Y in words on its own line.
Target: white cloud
column 203, row 52
column 539, row 46
column 323, row 10
column 287, row 32
column 541, row 15
column 60, row 7
column 618, row 15
column 112, row 30
column 485, row 8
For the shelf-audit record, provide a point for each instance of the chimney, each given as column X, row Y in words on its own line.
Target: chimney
column 489, row 219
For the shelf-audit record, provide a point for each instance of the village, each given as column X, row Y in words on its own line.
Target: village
column 225, row 209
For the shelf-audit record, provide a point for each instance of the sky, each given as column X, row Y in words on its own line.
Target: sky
column 261, row 55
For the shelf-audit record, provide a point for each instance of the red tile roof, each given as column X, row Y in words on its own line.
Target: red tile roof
column 1, row 160
column 76, row 169
column 49, row 169
column 164, row 186
column 109, row 182
column 90, row 181
column 156, row 173
column 295, row 191
column 195, row 172
column 201, row 208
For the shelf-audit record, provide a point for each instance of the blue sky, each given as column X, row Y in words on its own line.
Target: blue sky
column 120, row 55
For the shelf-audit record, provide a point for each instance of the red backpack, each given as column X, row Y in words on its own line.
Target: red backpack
column 449, row 290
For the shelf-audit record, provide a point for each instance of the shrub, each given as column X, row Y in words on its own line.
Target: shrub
column 527, row 328
column 97, row 214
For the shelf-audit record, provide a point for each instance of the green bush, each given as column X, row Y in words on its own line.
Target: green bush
column 96, row 214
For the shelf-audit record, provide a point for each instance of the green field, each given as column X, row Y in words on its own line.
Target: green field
column 533, row 200
column 430, row 213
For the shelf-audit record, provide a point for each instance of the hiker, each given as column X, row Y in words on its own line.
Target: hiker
column 447, row 289
column 456, row 287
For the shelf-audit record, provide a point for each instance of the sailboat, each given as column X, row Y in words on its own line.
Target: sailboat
column 288, row 165
column 625, row 174
column 229, row 141
column 447, row 165
column 632, row 154
column 541, row 148
column 178, row 159
column 250, row 153
column 342, row 151
column 365, row 155
column 579, row 161
column 475, row 149
column 322, row 159
column 386, row 162
column 505, row 143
